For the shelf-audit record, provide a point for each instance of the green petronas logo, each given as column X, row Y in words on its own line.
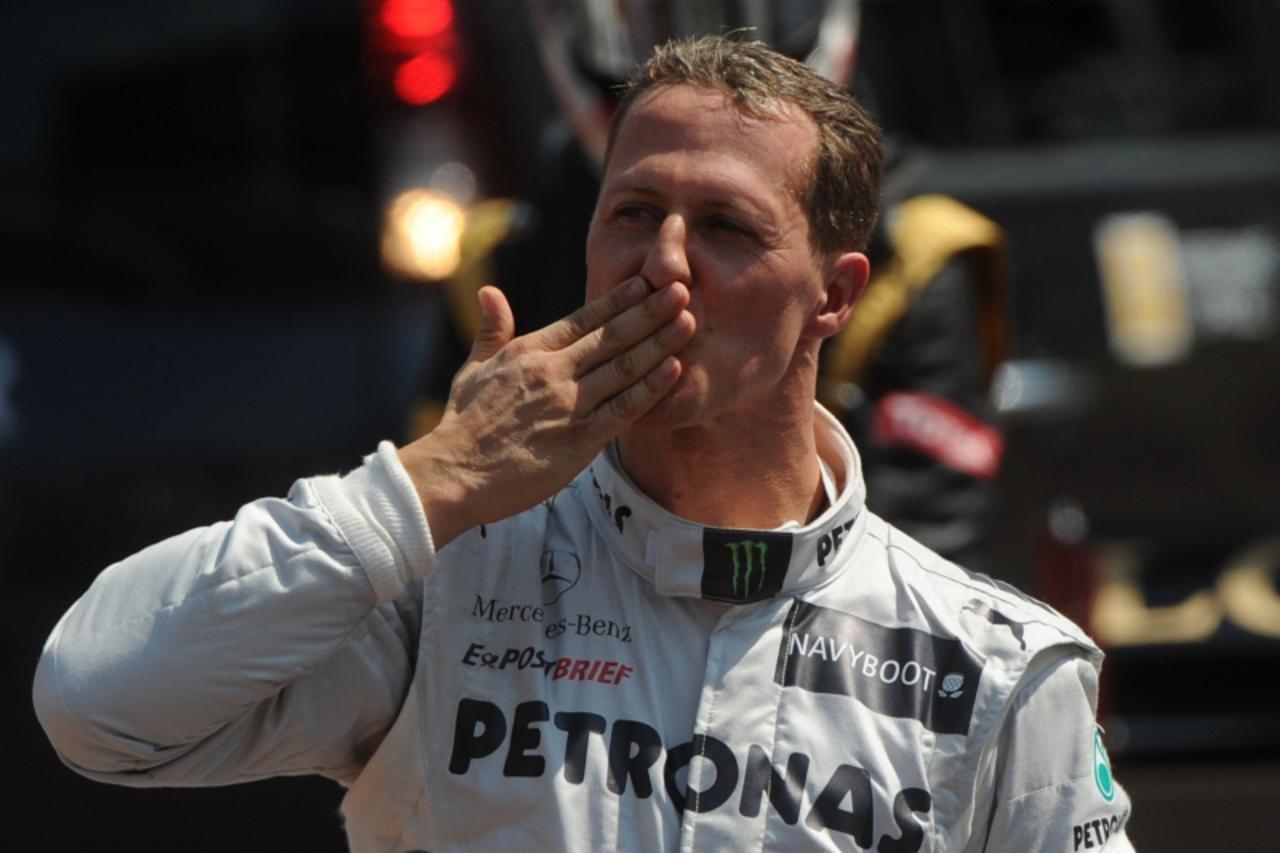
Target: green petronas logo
column 750, row 563
column 1102, row 769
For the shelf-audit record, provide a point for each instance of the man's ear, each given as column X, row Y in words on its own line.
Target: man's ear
column 846, row 277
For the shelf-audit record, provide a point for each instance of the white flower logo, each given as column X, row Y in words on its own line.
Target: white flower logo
column 952, row 685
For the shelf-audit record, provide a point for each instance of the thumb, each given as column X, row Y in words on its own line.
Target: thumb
column 497, row 324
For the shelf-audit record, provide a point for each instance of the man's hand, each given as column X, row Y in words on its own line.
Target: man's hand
column 526, row 414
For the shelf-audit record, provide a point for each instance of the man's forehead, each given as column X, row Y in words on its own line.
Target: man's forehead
column 781, row 137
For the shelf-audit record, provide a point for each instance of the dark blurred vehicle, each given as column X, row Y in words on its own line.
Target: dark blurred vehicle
column 238, row 243
column 1136, row 167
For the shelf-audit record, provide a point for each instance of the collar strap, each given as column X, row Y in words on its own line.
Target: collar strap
column 739, row 566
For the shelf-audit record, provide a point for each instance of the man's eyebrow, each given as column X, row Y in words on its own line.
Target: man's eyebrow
column 633, row 186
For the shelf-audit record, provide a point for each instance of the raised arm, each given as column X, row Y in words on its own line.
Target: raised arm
column 283, row 642
column 223, row 653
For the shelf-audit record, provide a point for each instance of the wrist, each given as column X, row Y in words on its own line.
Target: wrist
column 440, row 488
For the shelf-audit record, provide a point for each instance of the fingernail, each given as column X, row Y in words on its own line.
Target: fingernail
column 638, row 287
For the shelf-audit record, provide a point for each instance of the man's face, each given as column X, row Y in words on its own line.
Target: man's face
column 700, row 192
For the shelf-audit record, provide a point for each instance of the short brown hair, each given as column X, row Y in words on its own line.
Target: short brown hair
column 843, row 196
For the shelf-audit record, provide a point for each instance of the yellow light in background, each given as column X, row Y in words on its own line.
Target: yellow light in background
column 1148, row 319
column 422, row 234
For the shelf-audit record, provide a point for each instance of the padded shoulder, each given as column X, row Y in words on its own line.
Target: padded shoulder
column 992, row 617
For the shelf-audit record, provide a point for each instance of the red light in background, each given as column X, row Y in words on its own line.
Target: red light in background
column 425, row 78
column 413, row 19
column 413, row 45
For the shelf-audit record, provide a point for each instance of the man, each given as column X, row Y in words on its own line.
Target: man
column 702, row 640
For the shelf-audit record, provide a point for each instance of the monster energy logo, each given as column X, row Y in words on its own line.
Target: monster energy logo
column 742, row 566
column 745, row 554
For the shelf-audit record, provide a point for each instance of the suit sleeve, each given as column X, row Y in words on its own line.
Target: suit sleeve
column 279, row 643
column 1054, row 790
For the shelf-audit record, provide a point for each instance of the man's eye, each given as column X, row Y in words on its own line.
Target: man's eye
column 729, row 226
column 633, row 213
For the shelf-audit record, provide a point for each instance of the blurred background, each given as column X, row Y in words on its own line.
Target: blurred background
column 239, row 243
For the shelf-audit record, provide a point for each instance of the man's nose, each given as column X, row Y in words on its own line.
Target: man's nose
column 668, row 260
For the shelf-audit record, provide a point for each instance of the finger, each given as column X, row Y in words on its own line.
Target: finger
column 632, row 404
column 628, row 329
column 497, row 324
column 630, row 366
column 594, row 314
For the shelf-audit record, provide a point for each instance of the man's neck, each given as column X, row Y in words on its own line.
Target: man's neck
column 730, row 474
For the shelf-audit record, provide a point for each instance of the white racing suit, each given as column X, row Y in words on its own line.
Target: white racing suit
column 591, row 674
